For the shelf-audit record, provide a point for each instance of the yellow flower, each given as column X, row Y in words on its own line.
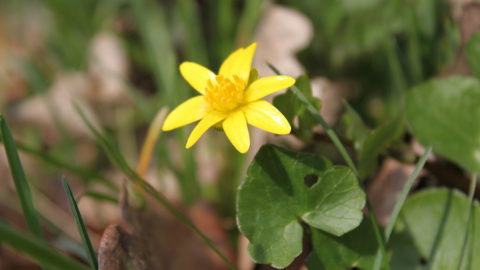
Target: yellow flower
column 229, row 100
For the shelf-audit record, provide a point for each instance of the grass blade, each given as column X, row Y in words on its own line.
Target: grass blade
column 470, row 227
column 84, row 173
column 20, row 181
column 248, row 21
column 405, row 191
column 401, row 200
column 195, row 43
column 92, row 258
column 36, row 249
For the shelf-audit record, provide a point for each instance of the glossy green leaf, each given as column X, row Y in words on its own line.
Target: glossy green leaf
column 472, row 51
column 356, row 248
column 285, row 189
column 445, row 113
column 376, row 143
column 92, row 258
column 36, row 249
column 430, row 232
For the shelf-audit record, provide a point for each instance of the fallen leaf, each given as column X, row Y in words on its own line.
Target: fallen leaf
column 157, row 240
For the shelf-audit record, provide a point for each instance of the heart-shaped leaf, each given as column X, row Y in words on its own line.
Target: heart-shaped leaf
column 445, row 113
column 285, row 189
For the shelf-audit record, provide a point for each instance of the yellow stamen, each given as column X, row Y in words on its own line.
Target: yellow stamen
column 225, row 94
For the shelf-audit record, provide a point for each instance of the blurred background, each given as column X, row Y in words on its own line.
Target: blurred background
column 118, row 60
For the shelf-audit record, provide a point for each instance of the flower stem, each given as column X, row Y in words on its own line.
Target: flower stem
column 331, row 134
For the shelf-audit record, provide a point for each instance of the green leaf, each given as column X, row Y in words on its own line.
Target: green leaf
column 20, row 181
column 431, row 229
column 472, row 50
column 285, row 189
column 92, row 258
column 445, row 113
column 36, row 249
column 290, row 106
column 375, row 144
column 305, row 119
column 356, row 130
column 354, row 249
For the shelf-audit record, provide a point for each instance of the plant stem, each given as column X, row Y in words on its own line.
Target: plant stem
column 399, row 204
column 331, row 134
column 378, row 236
column 471, row 196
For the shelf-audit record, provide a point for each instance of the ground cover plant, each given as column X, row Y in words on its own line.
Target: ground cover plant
column 153, row 134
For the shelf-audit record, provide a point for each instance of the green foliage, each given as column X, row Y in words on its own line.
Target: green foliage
column 37, row 249
column 356, row 248
column 282, row 191
column 430, row 232
column 383, row 47
column 92, row 258
column 20, row 181
column 472, row 51
column 370, row 143
column 444, row 113
column 375, row 144
column 355, row 128
column 291, row 107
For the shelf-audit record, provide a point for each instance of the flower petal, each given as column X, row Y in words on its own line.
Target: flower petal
column 266, row 86
column 188, row 112
column 264, row 115
column 238, row 63
column 209, row 120
column 196, row 75
column 235, row 127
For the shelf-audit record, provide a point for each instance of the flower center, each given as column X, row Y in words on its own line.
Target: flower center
column 224, row 94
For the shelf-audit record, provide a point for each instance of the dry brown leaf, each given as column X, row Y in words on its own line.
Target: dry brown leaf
column 386, row 187
column 157, row 240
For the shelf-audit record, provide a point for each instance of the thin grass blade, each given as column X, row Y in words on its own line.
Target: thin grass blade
column 84, row 173
column 20, row 180
column 399, row 204
column 92, row 258
column 37, row 249
column 468, row 241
